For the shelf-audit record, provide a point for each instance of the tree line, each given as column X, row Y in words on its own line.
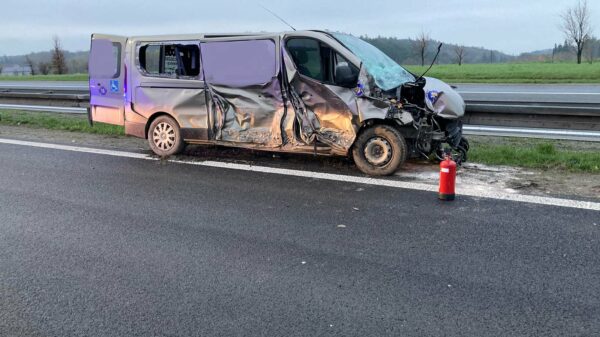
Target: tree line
column 575, row 23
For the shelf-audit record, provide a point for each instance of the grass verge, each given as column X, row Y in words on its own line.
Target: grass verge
column 57, row 121
column 67, row 77
column 514, row 73
column 531, row 72
column 536, row 153
column 522, row 152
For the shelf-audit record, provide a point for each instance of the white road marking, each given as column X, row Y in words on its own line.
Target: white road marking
column 466, row 191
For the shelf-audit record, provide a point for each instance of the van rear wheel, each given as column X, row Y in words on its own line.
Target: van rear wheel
column 379, row 150
column 164, row 137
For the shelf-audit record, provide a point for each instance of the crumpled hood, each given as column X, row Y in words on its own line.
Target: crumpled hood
column 443, row 99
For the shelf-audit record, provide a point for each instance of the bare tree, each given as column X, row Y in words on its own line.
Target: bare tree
column 44, row 68
column 59, row 64
column 460, row 54
column 576, row 26
column 421, row 42
column 31, row 64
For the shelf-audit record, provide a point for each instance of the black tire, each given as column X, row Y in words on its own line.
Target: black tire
column 164, row 137
column 379, row 150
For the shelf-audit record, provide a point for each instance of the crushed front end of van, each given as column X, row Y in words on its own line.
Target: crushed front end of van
column 428, row 111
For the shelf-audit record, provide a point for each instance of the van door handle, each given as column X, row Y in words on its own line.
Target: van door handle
column 306, row 96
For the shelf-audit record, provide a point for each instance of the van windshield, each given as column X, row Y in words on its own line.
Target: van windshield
column 387, row 73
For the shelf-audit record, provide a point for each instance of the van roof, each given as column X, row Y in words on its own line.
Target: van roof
column 194, row 36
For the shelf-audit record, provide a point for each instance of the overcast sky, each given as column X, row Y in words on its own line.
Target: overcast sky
column 511, row 26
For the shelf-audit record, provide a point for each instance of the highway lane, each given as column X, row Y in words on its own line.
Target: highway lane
column 106, row 246
column 45, row 85
column 552, row 93
column 561, row 93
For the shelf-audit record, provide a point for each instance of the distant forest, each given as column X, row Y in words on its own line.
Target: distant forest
column 403, row 51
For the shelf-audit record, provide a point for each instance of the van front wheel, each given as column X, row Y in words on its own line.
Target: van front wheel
column 379, row 150
column 164, row 137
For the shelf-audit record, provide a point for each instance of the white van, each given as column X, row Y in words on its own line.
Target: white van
column 301, row 91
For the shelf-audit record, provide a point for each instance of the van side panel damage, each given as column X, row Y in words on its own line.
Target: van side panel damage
column 187, row 106
column 246, row 99
column 324, row 115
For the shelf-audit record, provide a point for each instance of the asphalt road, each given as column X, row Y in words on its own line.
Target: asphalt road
column 45, row 85
column 92, row 245
column 547, row 93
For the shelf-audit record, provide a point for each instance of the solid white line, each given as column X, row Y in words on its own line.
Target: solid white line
column 324, row 176
column 526, row 93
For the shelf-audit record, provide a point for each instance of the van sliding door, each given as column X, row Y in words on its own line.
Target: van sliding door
column 106, row 81
column 241, row 75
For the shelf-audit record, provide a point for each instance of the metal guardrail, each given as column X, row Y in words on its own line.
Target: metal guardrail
column 572, row 121
column 498, row 131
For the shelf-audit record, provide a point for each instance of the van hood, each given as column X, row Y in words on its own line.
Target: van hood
column 443, row 99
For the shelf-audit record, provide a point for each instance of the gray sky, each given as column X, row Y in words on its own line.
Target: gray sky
column 511, row 26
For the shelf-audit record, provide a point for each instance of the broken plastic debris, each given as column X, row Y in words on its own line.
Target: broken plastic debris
column 341, row 226
column 303, row 262
column 355, row 208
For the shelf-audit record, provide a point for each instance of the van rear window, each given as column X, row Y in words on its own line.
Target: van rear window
column 170, row 60
column 105, row 59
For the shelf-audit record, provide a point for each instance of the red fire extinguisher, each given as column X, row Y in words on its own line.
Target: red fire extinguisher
column 447, row 179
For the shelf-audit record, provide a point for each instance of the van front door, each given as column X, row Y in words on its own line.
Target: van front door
column 330, row 107
column 106, row 81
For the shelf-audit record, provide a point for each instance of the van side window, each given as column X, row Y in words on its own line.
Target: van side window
column 306, row 54
column 170, row 60
column 315, row 59
column 240, row 63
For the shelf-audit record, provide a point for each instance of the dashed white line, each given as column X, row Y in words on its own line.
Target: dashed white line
column 588, row 205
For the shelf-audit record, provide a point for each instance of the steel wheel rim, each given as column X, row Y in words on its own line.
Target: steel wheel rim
column 378, row 151
column 163, row 136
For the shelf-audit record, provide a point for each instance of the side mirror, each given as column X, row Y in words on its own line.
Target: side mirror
column 344, row 77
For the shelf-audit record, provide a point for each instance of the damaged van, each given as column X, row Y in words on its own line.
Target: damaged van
column 309, row 92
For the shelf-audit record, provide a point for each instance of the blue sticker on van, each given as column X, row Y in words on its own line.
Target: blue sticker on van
column 114, row 85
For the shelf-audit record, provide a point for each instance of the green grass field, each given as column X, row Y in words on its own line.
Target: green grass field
column 535, row 153
column 533, row 72
column 514, row 73
column 56, row 121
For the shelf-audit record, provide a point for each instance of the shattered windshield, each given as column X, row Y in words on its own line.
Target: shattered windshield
column 387, row 73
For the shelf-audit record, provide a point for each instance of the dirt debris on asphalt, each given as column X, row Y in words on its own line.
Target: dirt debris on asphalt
column 502, row 179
